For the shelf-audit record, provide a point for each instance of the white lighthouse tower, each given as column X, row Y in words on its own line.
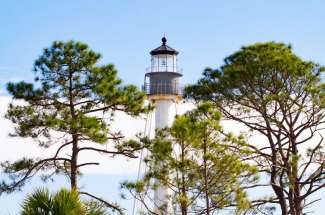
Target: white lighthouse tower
column 162, row 85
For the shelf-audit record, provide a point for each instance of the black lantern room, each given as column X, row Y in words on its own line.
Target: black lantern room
column 162, row 77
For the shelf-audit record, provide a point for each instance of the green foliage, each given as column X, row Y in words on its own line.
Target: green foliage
column 67, row 202
column 70, row 106
column 64, row 202
column 261, row 73
column 70, row 79
column 199, row 162
column 276, row 94
column 38, row 202
column 95, row 208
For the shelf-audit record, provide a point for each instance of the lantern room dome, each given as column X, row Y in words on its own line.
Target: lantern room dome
column 164, row 49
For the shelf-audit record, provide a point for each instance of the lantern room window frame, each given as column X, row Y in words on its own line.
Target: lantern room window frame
column 170, row 63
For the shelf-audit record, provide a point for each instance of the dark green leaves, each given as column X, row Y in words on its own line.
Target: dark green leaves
column 72, row 86
column 23, row 90
column 256, row 72
column 70, row 108
column 276, row 94
column 197, row 160
column 63, row 202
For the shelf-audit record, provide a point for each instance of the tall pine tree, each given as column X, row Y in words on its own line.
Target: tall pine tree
column 199, row 162
column 280, row 97
column 70, row 107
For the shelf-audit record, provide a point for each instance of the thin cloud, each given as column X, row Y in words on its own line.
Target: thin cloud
column 117, row 166
column 4, row 68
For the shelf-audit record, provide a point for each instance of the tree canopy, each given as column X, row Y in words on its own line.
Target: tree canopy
column 63, row 202
column 70, row 106
column 276, row 94
column 199, row 162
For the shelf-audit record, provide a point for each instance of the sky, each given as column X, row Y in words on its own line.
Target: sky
column 124, row 32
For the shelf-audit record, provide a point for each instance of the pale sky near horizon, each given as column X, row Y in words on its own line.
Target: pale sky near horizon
column 124, row 32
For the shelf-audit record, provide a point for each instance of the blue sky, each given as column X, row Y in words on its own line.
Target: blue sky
column 124, row 32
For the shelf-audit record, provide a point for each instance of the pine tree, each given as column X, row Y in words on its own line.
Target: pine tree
column 70, row 107
column 199, row 162
column 281, row 97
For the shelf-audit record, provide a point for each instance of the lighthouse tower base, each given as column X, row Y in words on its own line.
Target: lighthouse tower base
column 165, row 113
column 164, row 117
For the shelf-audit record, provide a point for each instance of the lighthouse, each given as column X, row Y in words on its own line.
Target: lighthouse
column 162, row 86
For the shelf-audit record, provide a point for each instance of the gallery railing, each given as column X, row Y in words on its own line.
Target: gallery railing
column 163, row 88
column 164, row 69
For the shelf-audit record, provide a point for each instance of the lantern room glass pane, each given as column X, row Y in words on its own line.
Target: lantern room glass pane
column 163, row 63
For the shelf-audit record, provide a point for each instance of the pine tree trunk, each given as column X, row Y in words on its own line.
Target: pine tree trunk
column 296, row 185
column 74, row 159
column 74, row 156
column 278, row 191
column 183, row 190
